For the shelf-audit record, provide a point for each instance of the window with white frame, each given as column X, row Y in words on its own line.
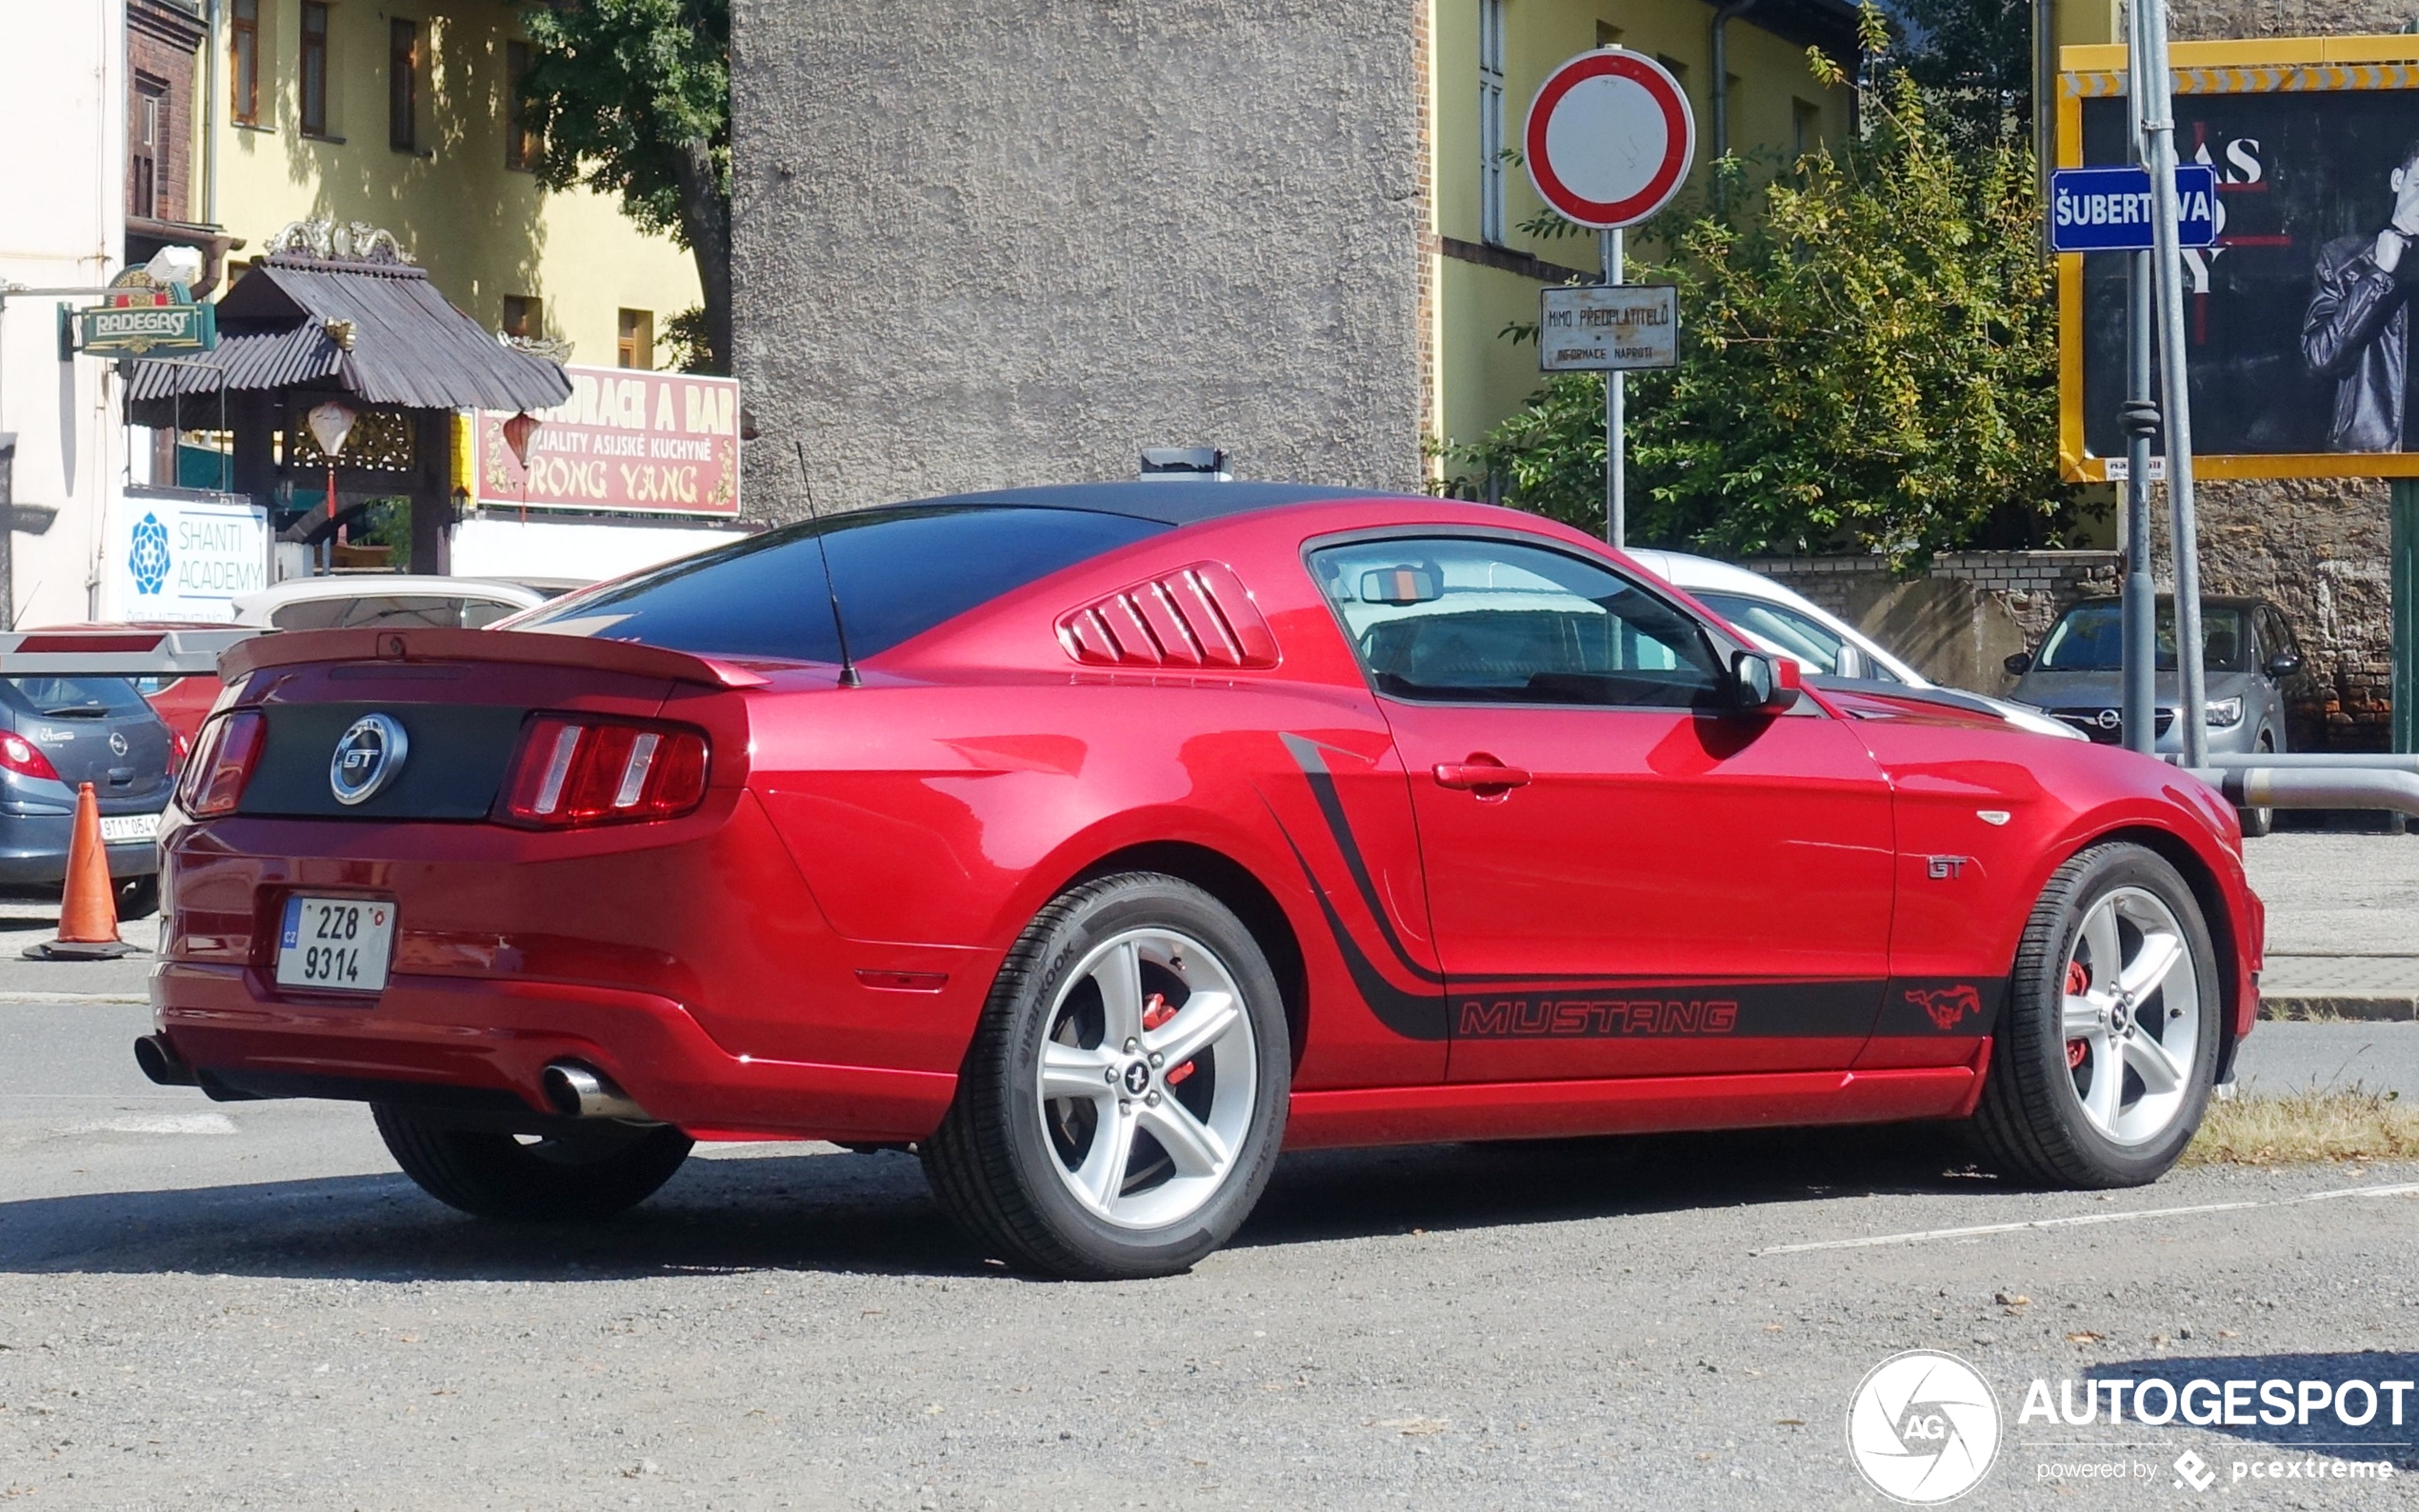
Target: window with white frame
column 1490, row 122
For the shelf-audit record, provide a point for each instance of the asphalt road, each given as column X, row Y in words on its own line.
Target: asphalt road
column 243, row 1305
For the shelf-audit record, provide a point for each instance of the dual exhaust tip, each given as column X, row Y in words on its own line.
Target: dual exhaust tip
column 569, row 1088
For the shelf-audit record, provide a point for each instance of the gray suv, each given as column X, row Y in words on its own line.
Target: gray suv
column 2074, row 675
column 56, row 732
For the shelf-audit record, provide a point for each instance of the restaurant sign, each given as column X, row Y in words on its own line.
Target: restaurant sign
column 626, row 441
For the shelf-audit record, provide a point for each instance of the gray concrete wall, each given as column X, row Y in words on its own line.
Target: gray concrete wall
column 1015, row 241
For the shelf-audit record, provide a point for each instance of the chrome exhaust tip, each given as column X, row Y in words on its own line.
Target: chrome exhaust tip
column 578, row 1091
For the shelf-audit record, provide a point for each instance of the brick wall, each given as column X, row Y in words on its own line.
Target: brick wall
column 160, row 42
column 2034, row 585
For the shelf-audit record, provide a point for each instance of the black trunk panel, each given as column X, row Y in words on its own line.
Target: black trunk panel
column 452, row 769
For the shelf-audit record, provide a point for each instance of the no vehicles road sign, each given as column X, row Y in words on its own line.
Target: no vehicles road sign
column 1609, row 138
column 2108, row 210
column 1609, row 327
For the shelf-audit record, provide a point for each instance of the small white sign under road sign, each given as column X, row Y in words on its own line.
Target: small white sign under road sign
column 1605, row 328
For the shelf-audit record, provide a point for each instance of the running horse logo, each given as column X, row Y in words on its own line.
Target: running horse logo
column 1946, row 1006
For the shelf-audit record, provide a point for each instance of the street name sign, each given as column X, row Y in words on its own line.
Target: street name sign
column 2108, row 210
column 147, row 329
column 1609, row 138
column 1606, row 327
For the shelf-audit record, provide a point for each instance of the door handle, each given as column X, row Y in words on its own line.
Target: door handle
column 1480, row 774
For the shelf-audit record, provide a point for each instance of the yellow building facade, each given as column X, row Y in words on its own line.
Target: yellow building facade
column 403, row 116
column 1489, row 57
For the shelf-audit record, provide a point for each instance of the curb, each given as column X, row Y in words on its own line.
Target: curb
column 2365, row 1007
column 22, row 1000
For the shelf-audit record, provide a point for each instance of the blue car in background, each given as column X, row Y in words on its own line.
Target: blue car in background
column 58, row 732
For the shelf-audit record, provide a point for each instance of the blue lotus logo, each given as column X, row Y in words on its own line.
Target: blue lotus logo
column 148, row 560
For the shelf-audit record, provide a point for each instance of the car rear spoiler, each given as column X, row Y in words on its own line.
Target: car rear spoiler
column 294, row 648
column 113, row 651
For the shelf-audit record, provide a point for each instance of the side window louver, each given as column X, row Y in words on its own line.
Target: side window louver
column 1197, row 616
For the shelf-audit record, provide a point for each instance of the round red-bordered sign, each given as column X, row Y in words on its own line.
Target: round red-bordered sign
column 1609, row 138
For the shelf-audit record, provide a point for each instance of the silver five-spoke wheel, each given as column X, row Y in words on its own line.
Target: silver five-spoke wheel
column 1148, row 1078
column 2131, row 1016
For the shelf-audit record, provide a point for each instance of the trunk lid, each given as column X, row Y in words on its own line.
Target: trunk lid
column 97, row 730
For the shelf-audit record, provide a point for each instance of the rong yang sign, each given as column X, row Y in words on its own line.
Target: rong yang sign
column 627, row 440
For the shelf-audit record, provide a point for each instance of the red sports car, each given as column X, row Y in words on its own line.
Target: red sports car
column 1097, row 842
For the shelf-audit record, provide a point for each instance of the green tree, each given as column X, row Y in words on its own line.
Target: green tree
column 1974, row 59
column 633, row 97
column 1868, row 363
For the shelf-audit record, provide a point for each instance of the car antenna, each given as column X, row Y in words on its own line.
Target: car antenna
column 830, row 585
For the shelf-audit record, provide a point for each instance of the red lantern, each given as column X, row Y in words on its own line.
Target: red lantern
column 517, row 432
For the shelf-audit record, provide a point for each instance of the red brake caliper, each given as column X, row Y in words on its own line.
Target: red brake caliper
column 2078, row 983
column 1155, row 1012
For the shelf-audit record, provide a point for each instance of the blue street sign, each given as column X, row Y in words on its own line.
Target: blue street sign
column 2108, row 210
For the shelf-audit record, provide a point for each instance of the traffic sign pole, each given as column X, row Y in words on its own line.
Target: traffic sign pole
column 1617, row 428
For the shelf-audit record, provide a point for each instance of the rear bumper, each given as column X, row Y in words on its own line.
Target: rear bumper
column 34, row 851
column 240, row 1037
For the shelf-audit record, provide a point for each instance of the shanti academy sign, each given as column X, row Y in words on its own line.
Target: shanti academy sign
column 627, row 440
column 181, row 554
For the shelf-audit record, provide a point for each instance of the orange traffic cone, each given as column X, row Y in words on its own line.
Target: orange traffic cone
column 88, row 914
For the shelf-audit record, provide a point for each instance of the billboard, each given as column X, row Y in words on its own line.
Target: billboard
column 628, row 441
column 2296, row 321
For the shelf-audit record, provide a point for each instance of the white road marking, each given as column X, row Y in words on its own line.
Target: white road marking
column 1921, row 1236
column 157, row 1123
column 27, row 1000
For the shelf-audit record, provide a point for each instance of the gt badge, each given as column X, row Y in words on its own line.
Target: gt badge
column 1945, row 868
column 369, row 756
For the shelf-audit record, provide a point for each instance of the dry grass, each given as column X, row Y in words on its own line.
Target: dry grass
column 2341, row 1124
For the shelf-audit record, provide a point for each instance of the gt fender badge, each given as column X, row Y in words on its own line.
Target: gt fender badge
column 367, row 757
column 1946, row 868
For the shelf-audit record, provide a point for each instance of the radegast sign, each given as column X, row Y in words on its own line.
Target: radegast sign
column 627, row 440
column 2108, row 210
column 1601, row 328
column 181, row 554
column 145, row 323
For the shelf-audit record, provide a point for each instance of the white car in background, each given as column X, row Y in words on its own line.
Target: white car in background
column 1790, row 625
column 352, row 600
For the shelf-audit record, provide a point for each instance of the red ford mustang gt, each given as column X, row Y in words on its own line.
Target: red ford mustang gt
column 1098, row 841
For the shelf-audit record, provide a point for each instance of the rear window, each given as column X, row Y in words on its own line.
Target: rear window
column 898, row 572
column 72, row 697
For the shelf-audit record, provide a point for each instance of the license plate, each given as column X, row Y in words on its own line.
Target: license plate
column 335, row 944
column 118, row 828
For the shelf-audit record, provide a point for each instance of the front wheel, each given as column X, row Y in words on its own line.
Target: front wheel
column 1121, row 1105
column 581, row 1173
column 2105, row 1057
column 2259, row 822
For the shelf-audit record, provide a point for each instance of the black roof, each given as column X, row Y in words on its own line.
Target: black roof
column 1171, row 501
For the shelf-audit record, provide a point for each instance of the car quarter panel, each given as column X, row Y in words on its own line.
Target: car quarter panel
column 1986, row 814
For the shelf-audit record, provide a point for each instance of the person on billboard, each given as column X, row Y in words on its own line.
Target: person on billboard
column 2357, row 330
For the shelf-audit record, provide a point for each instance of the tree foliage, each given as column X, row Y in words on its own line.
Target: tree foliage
column 1868, row 363
column 1973, row 58
column 633, row 97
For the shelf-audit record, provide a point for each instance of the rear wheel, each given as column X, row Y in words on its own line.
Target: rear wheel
column 138, row 897
column 2105, row 1054
column 588, row 1172
column 1120, row 1108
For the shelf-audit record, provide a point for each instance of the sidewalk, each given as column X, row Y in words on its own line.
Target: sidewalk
column 2343, row 924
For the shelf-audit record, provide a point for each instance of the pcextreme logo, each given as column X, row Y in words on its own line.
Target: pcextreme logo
column 1922, row 1427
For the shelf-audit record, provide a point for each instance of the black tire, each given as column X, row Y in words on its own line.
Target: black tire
column 138, row 897
column 2259, row 822
column 585, row 1173
column 2030, row 1123
column 991, row 1161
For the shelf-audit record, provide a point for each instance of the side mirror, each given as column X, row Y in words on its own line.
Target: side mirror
column 2284, row 663
column 1763, row 684
column 2019, row 663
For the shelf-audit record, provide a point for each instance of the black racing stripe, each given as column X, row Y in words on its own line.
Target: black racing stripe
column 1616, row 1010
column 1314, row 771
column 1413, row 1015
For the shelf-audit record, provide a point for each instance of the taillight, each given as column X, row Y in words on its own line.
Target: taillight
column 571, row 771
column 25, row 758
column 222, row 763
column 178, row 748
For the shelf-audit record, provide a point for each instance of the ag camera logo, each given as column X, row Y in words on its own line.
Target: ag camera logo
column 1922, row 1427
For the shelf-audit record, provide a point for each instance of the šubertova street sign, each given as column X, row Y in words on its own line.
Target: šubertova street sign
column 2108, row 210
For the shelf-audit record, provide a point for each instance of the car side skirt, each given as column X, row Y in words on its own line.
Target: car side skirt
column 1504, row 1110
